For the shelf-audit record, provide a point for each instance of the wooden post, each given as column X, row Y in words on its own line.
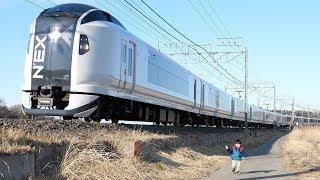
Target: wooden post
column 137, row 148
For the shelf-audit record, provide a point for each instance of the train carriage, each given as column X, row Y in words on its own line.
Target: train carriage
column 81, row 62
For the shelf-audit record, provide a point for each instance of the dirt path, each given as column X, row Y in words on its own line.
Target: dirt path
column 263, row 163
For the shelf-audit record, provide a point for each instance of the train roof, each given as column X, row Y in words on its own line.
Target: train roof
column 72, row 8
column 75, row 10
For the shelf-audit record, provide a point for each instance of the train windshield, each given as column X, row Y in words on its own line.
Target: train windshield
column 67, row 10
column 53, row 51
column 58, row 14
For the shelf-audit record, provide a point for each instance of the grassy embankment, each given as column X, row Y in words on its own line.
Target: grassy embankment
column 301, row 152
column 96, row 151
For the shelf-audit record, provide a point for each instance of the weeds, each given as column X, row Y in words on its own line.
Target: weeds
column 301, row 151
column 97, row 151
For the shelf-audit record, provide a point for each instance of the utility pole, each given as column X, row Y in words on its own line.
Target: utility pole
column 245, row 52
column 274, row 98
column 292, row 115
column 246, row 90
column 308, row 114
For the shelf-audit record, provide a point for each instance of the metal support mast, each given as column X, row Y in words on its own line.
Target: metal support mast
column 246, row 89
column 274, row 98
column 308, row 114
column 293, row 114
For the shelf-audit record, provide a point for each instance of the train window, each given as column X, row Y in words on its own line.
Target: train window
column 130, row 55
column 67, row 9
column 115, row 21
column 96, row 16
column 123, row 52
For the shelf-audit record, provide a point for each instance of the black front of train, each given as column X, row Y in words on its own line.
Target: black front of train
column 52, row 56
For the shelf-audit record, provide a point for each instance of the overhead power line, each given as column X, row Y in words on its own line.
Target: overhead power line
column 213, row 22
column 181, row 42
column 202, row 17
column 224, row 26
column 52, row 2
column 208, row 14
column 234, row 78
column 202, row 67
column 35, row 4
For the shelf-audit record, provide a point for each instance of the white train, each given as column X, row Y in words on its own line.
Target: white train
column 82, row 62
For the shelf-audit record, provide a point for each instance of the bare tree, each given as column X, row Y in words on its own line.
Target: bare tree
column 13, row 112
column 4, row 110
column 16, row 111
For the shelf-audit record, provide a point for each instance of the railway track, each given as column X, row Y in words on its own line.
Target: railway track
column 72, row 125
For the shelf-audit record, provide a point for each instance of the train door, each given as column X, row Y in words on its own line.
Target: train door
column 127, row 67
column 129, row 85
column 232, row 108
column 123, row 65
column 217, row 100
column 202, row 97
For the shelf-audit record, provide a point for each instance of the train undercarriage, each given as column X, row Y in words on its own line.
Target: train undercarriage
column 115, row 109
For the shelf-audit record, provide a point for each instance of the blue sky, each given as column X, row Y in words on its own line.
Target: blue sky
column 282, row 37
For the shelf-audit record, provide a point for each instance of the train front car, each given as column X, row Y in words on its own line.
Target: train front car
column 51, row 53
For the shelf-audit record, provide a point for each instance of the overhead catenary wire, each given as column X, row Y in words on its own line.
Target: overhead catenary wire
column 198, row 64
column 206, row 12
column 202, row 18
column 176, row 39
column 151, row 20
column 51, row 2
column 226, row 29
column 169, row 40
column 234, row 79
column 158, row 33
column 223, row 24
column 35, row 4
column 213, row 22
column 126, row 20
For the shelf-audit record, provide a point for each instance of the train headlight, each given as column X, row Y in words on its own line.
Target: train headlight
column 55, row 33
column 83, row 44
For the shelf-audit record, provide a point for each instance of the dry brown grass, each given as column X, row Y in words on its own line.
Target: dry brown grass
column 116, row 162
column 302, row 152
column 106, row 151
column 183, row 163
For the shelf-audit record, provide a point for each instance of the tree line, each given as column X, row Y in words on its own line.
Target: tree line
column 13, row 112
column 298, row 113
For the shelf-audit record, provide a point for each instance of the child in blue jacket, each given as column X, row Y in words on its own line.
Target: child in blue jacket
column 237, row 153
